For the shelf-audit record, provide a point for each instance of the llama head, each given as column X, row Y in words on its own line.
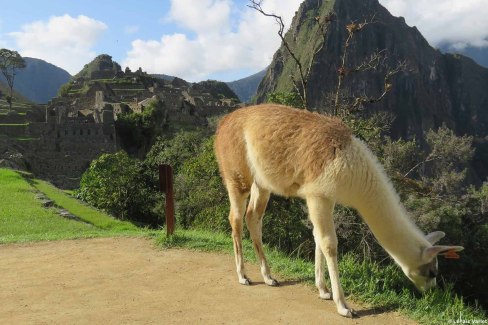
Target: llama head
column 424, row 274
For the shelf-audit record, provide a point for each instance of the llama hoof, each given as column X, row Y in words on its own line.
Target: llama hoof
column 245, row 281
column 272, row 283
column 325, row 295
column 353, row 314
column 349, row 313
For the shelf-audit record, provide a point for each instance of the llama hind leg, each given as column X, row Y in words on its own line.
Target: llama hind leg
column 254, row 220
column 319, row 273
column 320, row 210
column 236, row 214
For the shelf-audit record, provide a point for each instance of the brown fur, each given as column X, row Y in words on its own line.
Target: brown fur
column 293, row 145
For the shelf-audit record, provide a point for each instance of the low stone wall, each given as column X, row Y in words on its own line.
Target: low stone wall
column 129, row 94
column 14, row 130
column 126, row 86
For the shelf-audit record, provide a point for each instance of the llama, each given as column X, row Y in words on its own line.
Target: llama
column 277, row 149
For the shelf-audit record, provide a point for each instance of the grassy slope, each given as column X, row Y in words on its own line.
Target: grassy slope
column 84, row 212
column 383, row 288
column 22, row 218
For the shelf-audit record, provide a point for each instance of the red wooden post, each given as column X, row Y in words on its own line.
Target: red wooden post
column 166, row 186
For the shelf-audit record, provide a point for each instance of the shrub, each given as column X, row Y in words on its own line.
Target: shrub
column 290, row 99
column 175, row 150
column 202, row 198
column 117, row 184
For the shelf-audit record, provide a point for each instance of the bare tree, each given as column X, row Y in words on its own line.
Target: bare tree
column 304, row 72
column 10, row 62
column 378, row 59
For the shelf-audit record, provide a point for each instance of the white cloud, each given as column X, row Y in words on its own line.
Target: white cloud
column 460, row 23
column 202, row 16
column 131, row 29
column 63, row 40
column 225, row 39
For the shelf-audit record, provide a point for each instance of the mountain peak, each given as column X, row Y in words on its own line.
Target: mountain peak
column 101, row 67
column 435, row 90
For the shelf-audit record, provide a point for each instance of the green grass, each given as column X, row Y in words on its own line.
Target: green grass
column 19, row 113
column 27, row 139
column 15, row 124
column 86, row 213
column 23, row 219
column 383, row 288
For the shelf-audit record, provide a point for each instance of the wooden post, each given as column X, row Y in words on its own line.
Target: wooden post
column 166, row 186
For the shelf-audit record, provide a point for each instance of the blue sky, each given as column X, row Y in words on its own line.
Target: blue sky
column 196, row 39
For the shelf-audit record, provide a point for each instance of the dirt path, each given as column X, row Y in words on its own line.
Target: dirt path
column 128, row 281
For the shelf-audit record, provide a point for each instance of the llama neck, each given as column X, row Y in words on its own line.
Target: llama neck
column 379, row 205
column 392, row 227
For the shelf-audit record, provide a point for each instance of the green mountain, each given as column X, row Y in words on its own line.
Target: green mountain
column 39, row 81
column 163, row 76
column 245, row 88
column 215, row 88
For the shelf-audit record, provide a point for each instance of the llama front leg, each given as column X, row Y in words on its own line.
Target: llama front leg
column 236, row 214
column 319, row 273
column 320, row 210
column 254, row 220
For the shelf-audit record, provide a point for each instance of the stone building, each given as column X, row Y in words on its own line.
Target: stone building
column 58, row 141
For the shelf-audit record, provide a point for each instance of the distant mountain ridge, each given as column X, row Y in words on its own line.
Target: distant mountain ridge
column 39, row 81
column 479, row 55
column 246, row 88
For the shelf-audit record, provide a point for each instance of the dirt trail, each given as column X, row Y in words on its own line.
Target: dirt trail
column 129, row 281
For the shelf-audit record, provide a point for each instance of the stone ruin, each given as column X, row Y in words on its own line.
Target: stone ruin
column 58, row 141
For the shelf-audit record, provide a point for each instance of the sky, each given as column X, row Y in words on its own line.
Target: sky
column 197, row 39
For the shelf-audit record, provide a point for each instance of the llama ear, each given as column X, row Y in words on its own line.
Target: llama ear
column 450, row 251
column 434, row 237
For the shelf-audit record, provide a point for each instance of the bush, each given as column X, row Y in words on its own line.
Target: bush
column 288, row 99
column 117, row 184
column 177, row 150
column 202, row 198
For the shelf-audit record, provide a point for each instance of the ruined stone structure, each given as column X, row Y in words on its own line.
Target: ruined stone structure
column 54, row 145
column 58, row 141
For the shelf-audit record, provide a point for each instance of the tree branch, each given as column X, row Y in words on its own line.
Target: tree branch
column 304, row 75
